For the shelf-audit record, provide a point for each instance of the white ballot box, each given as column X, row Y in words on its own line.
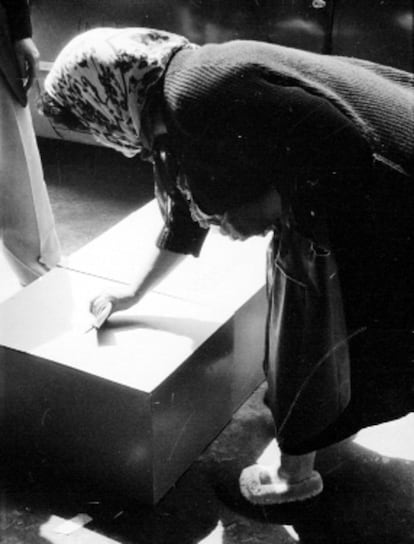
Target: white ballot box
column 130, row 406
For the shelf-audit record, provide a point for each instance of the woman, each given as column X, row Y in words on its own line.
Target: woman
column 255, row 137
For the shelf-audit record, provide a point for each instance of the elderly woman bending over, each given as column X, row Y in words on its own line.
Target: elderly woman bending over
column 254, row 137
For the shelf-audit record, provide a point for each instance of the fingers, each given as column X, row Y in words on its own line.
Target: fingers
column 101, row 308
column 31, row 71
column 27, row 56
column 103, row 316
column 106, row 303
column 100, row 304
column 21, row 61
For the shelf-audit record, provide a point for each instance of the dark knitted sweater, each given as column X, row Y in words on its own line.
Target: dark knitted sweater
column 244, row 115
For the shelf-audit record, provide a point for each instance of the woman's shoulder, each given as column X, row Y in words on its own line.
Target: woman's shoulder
column 208, row 77
column 224, row 58
column 193, row 83
column 202, row 68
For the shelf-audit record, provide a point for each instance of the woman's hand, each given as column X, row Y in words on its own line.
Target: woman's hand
column 254, row 218
column 27, row 56
column 155, row 266
column 116, row 300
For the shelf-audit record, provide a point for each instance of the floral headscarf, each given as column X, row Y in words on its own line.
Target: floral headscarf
column 103, row 77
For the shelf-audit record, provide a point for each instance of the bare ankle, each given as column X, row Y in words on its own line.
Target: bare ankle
column 295, row 468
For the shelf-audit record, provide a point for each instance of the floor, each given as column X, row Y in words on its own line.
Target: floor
column 369, row 480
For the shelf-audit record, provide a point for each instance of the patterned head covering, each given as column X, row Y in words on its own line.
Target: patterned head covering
column 104, row 75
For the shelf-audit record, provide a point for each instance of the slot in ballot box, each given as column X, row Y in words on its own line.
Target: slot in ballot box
column 131, row 406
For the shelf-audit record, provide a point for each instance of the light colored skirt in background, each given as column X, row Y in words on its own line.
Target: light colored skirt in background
column 29, row 236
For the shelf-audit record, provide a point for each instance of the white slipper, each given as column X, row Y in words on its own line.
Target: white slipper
column 259, row 484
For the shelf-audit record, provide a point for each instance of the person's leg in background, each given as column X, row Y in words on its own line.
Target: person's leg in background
column 28, row 229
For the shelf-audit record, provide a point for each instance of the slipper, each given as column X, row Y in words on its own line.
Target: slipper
column 259, row 484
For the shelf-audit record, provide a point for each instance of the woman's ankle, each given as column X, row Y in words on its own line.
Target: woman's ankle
column 295, row 468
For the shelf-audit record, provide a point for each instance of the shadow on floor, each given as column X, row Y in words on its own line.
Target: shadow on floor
column 368, row 498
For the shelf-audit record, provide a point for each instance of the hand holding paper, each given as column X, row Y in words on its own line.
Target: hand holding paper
column 102, row 316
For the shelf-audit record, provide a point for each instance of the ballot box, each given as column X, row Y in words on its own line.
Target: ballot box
column 131, row 406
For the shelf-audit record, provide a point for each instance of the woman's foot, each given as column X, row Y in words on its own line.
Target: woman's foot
column 293, row 480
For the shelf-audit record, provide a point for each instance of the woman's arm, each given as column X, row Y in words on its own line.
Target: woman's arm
column 154, row 267
column 180, row 236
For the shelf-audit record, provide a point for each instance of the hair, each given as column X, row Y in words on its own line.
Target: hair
column 57, row 114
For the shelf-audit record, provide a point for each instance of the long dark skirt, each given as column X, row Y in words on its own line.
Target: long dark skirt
column 375, row 261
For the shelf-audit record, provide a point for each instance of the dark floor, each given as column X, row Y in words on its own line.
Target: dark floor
column 369, row 481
